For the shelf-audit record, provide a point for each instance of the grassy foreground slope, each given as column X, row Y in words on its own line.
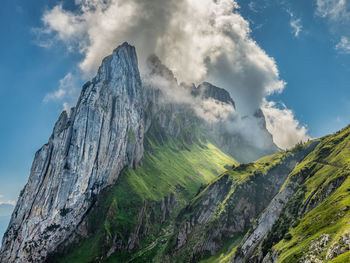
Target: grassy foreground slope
column 320, row 229
column 218, row 217
column 132, row 220
column 309, row 219
column 242, row 175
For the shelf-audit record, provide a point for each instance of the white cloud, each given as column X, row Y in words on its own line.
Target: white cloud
column 197, row 39
column 252, row 7
column 343, row 46
column 335, row 10
column 281, row 123
column 214, row 44
column 337, row 14
column 67, row 92
column 296, row 25
column 9, row 202
column 211, row 110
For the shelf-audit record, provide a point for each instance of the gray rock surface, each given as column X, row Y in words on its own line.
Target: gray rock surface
column 86, row 152
column 203, row 227
column 271, row 213
column 98, row 138
column 264, row 224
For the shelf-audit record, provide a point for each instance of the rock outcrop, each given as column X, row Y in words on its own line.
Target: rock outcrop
column 272, row 212
column 227, row 206
column 86, row 152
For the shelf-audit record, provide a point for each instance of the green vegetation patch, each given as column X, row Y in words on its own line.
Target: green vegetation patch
column 324, row 215
column 171, row 166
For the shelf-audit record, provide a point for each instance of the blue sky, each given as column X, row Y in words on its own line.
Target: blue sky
column 317, row 75
column 27, row 73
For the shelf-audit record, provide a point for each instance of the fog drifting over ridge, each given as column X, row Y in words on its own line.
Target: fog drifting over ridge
column 199, row 40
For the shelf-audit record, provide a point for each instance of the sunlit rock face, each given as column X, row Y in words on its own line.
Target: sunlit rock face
column 86, row 152
column 103, row 134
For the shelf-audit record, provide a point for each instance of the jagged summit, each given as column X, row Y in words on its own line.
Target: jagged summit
column 156, row 67
column 85, row 153
column 103, row 135
column 207, row 90
column 126, row 63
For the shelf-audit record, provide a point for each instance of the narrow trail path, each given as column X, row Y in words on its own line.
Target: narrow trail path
column 167, row 232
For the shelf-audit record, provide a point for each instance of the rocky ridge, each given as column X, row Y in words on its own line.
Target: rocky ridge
column 86, row 152
column 226, row 207
column 102, row 135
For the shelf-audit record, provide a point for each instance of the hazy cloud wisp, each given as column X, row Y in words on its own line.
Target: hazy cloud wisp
column 214, row 44
column 333, row 9
column 343, row 46
column 67, row 91
column 295, row 24
column 281, row 122
column 197, row 39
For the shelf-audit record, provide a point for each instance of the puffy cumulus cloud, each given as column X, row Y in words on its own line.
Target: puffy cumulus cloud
column 281, row 123
column 343, row 46
column 209, row 109
column 196, row 39
column 67, row 92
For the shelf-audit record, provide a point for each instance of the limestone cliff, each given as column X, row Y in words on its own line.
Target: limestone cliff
column 103, row 134
column 86, row 152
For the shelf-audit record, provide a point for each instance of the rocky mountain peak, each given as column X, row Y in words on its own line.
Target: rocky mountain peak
column 85, row 153
column 156, row 67
column 207, row 90
column 102, row 135
column 123, row 61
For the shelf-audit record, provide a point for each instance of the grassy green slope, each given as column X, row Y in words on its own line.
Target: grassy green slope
column 321, row 227
column 272, row 166
column 236, row 196
column 170, row 166
column 240, row 175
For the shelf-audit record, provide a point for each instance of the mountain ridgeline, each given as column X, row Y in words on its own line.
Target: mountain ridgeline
column 144, row 169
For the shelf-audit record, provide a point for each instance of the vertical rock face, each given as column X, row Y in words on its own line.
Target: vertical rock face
column 86, row 152
column 103, row 134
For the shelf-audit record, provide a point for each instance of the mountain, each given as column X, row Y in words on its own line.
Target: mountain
column 144, row 169
column 288, row 207
column 122, row 163
column 85, row 153
column 224, row 209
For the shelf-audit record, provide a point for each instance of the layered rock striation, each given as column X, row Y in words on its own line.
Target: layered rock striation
column 103, row 134
column 86, row 152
